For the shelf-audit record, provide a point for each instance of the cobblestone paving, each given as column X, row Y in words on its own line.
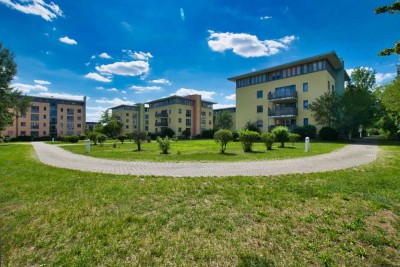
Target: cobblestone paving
column 347, row 157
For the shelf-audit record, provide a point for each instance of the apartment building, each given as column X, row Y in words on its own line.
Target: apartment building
column 231, row 110
column 281, row 95
column 50, row 116
column 189, row 113
column 133, row 117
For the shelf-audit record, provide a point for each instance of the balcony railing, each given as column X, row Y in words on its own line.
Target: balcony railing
column 162, row 115
column 283, row 112
column 286, row 95
column 162, row 123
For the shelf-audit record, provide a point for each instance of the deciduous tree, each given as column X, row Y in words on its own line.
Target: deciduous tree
column 223, row 120
column 391, row 9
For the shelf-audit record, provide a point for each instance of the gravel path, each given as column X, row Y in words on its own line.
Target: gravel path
column 347, row 157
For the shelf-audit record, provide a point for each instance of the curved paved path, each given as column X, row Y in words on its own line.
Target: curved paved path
column 347, row 157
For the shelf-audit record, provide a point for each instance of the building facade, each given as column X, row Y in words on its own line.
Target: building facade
column 281, row 95
column 189, row 113
column 231, row 110
column 50, row 117
column 133, row 117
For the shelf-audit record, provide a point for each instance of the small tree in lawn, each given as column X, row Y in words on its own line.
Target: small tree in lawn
column 294, row 138
column 164, row 144
column 268, row 139
column 223, row 137
column 138, row 138
column 121, row 138
column 101, row 138
column 282, row 134
column 93, row 137
column 247, row 138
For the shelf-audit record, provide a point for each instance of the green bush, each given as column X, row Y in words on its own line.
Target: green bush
column 138, row 138
column 311, row 131
column 328, row 134
column 167, row 132
column 282, row 134
column 223, row 137
column 121, row 138
column 252, row 126
column 73, row 139
column 82, row 137
column 101, row 138
column 235, row 135
column 300, row 130
column 93, row 137
column 164, row 144
column 294, row 138
column 208, row 134
column 247, row 138
column 268, row 139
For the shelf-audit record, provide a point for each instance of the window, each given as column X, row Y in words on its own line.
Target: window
column 179, row 120
column 34, row 125
column 305, row 104
column 61, row 125
column 80, row 111
column 259, row 109
column 35, row 109
column 126, row 126
column 305, row 122
column 260, row 124
column 44, row 117
column 79, row 125
column 179, row 130
column 34, row 133
column 127, row 120
column 260, row 94
column 209, row 122
column 23, row 123
column 23, row 115
column 188, row 122
column 34, row 117
column 70, row 111
column 127, row 114
column 44, row 108
column 305, row 87
column 209, row 114
column 44, row 124
column 23, row 133
column 79, row 118
column 44, row 132
column 188, row 113
column 70, row 118
column 70, row 126
column 61, row 117
column 62, row 109
column 180, row 111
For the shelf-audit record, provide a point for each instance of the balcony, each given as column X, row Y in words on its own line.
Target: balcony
column 288, row 112
column 162, row 114
column 285, row 96
column 162, row 123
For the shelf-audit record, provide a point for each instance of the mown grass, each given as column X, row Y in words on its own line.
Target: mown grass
column 55, row 217
column 201, row 150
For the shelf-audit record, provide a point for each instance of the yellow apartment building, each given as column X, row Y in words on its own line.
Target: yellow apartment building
column 232, row 111
column 50, row 117
column 133, row 117
column 189, row 113
column 280, row 95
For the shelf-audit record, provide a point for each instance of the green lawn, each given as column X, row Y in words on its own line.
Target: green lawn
column 59, row 217
column 201, row 150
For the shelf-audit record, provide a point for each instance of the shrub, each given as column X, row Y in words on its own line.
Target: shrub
column 235, row 135
column 282, row 134
column 252, row 126
column 223, row 137
column 73, row 139
column 268, row 139
column 247, row 138
column 208, row 134
column 93, row 137
column 164, row 144
column 121, row 138
column 114, row 145
column 148, row 139
column 153, row 136
column 167, row 132
column 328, row 134
column 101, row 138
column 294, row 138
column 311, row 131
column 300, row 130
column 186, row 133
column 82, row 137
column 138, row 138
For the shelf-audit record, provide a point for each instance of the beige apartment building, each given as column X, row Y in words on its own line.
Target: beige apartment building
column 189, row 113
column 280, row 95
column 50, row 117
column 133, row 117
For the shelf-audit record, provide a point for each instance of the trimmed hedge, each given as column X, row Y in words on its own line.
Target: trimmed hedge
column 328, row 134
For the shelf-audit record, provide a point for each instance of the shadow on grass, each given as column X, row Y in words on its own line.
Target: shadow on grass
column 252, row 260
column 136, row 150
column 227, row 154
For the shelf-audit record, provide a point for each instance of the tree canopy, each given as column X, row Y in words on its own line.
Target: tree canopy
column 391, row 9
column 111, row 126
column 327, row 109
column 223, row 120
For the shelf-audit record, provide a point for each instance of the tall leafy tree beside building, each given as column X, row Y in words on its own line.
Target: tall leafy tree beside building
column 223, row 120
column 391, row 9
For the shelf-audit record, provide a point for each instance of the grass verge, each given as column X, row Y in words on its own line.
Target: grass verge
column 59, row 217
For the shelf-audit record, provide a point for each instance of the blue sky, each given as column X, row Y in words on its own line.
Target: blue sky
column 124, row 52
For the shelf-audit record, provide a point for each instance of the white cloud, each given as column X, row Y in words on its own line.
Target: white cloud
column 42, row 82
column 145, row 89
column 132, row 68
column 182, row 13
column 61, row 95
column 204, row 94
column 105, row 55
column 94, row 113
column 138, row 55
column 97, row 77
column 54, row 28
column 384, row 77
column 115, row 102
column 218, row 106
column 99, row 87
column 247, row 45
column 231, row 97
column 67, row 40
column 93, row 57
column 124, row 92
column 126, row 26
column 87, row 63
column 27, row 88
column 266, row 17
column 35, row 7
column 112, row 90
column 161, row 81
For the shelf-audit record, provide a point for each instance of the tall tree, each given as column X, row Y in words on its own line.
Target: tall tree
column 223, row 120
column 327, row 109
column 391, row 9
column 391, row 96
column 111, row 126
column 8, row 96
column 363, row 78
